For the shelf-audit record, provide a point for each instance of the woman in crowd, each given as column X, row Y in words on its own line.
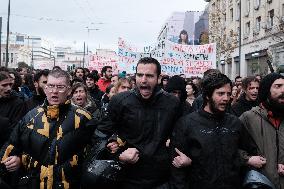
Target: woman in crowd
column 164, row 82
column 122, row 85
column 235, row 94
column 191, row 91
column 80, row 73
column 81, row 98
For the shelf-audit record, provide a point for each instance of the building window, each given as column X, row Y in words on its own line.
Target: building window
column 238, row 68
column 229, row 64
column 270, row 18
column 257, row 23
column 256, row 4
column 4, row 57
column 247, row 8
column 12, row 57
column 223, row 68
column 238, row 12
column 231, row 14
column 282, row 10
column 247, row 29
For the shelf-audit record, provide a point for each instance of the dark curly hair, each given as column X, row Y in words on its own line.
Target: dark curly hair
column 211, row 82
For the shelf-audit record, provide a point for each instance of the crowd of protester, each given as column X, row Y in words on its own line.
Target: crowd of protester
column 86, row 129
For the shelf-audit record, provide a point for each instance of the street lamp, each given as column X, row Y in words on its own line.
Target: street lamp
column 7, row 40
column 88, row 29
column 240, row 31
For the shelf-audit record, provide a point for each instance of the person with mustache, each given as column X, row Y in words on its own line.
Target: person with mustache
column 248, row 99
column 265, row 125
column 142, row 120
column 11, row 107
column 205, row 144
column 40, row 80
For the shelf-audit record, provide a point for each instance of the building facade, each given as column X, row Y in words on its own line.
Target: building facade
column 32, row 50
column 258, row 24
column 69, row 59
column 187, row 21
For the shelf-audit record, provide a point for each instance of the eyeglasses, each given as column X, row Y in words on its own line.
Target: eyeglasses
column 60, row 88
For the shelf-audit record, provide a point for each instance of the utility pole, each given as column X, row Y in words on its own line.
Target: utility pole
column 240, row 32
column 7, row 40
column 0, row 41
column 84, row 56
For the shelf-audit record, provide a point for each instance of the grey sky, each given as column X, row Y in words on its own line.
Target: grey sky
column 65, row 22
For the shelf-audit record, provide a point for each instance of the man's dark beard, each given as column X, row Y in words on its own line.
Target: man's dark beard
column 214, row 109
column 41, row 92
column 274, row 106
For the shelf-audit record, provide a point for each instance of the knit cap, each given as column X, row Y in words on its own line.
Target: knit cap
column 265, row 85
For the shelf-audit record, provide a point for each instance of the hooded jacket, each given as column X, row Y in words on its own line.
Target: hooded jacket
column 243, row 105
column 269, row 141
column 12, row 109
column 96, row 94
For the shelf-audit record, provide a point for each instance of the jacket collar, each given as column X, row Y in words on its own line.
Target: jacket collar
column 54, row 111
column 211, row 116
column 156, row 92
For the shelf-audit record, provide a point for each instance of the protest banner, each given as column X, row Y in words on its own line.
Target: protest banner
column 97, row 62
column 127, row 57
column 191, row 60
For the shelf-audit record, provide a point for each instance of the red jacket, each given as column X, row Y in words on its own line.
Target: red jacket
column 103, row 84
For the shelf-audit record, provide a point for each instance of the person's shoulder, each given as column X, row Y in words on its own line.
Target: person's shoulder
column 169, row 97
column 81, row 112
column 123, row 95
column 232, row 117
column 33, row 113
column 254, row 112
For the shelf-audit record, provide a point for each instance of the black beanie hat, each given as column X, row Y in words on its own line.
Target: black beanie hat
column 265, row 85
column 177, row 83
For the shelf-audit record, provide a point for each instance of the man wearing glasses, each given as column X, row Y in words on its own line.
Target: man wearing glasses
column 49, row 141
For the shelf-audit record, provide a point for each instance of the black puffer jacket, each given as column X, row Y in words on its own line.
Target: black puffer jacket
column 34, row 101
column 212, row 143
column 243, row 105
column 56, row 161
column 12, row 109
column 96, row 94
column 145, row 125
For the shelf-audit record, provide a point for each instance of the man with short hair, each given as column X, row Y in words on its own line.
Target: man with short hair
column 143, row 119
column 11, row 107
column 49, row 141
column 93, row 88
column 105, row 79
column 238, row 80
column 177, row 86
column 248, row 98
column 265, row 125
column 40, row 80
column 198, row 101
column 205, row 143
